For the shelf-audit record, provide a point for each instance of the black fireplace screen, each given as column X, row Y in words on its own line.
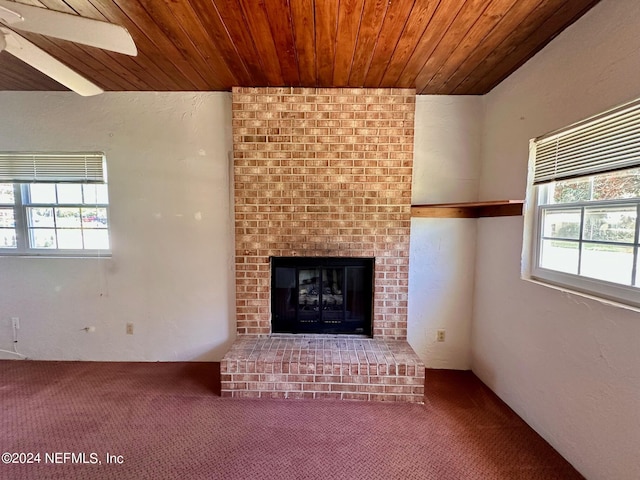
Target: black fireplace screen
column 321, row 295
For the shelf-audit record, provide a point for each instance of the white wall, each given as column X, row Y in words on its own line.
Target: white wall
column 171, row 273
column 568, row 365
column 171, row 270
column 442, row 252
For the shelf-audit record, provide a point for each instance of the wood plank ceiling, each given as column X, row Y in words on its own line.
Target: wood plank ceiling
column 434, row 46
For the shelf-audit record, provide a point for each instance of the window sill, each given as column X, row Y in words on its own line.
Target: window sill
column 575, row 292
column 55, row 255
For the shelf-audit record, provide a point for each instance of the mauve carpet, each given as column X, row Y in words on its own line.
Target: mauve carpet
column 166, row 422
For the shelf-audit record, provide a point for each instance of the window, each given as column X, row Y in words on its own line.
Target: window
column 586, row 185
column 54, row 205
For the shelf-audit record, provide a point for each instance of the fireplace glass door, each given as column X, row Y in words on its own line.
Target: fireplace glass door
column 321, row 295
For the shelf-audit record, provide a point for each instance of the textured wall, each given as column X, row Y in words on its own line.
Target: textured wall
column 167, row 161
column 442, row 256
column 323, row 172
column 171, row 230
column 569, row 365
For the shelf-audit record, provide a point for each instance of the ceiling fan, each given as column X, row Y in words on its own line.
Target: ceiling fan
column 17, row 16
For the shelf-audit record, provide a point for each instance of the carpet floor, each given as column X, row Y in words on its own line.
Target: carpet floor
column 98, row 421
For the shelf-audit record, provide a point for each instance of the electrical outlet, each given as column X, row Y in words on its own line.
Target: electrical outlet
column 440, row 335
column 15, row 321
column 129, row 328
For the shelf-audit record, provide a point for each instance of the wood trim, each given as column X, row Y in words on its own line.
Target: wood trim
column 497, row 208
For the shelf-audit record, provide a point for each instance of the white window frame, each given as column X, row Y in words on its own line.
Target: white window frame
column 628, row 295
column 24, row 169
column 624, row 295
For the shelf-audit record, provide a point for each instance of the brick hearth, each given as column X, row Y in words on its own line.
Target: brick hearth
column 322, row 172
column 322, row 366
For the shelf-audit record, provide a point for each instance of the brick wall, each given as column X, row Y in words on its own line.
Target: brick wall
column 322, row 172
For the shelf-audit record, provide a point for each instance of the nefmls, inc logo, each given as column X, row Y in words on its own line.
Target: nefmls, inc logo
column 72, row 457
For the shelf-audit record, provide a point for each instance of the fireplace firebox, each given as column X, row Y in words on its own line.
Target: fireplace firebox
column 321, row 295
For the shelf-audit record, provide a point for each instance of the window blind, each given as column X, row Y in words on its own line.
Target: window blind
column 18, row 167
column 605, row 143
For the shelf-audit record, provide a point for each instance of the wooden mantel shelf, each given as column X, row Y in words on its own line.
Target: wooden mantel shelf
column 497, row 208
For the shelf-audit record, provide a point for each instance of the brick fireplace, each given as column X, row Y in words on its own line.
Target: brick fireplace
column 322, row 172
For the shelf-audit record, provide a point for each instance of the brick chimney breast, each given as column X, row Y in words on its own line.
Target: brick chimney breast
column 322, row 172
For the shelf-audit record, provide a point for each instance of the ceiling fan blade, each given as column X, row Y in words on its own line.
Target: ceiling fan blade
column 41, row 60
column 85, row 31
column 9, row 16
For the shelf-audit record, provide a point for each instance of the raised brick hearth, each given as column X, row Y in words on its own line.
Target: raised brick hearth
column 323, row 367
column 322, row 172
